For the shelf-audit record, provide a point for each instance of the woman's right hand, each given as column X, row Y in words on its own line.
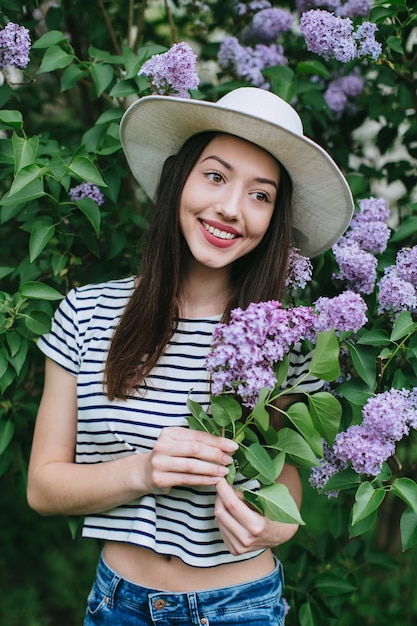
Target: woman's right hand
column 182, row 456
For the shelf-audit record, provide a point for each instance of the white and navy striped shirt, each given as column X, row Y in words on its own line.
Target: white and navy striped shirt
column 180, row 523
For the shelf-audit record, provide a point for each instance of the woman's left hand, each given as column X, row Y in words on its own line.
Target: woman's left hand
column 243, row 529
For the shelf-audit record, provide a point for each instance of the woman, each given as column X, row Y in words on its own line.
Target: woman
column 180, row 546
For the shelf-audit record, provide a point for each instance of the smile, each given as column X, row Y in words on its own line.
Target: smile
column 221, row 234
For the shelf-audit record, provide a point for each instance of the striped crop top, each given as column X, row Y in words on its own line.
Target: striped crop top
column 180, row 523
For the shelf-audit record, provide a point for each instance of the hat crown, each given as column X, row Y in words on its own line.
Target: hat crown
column 264, row 105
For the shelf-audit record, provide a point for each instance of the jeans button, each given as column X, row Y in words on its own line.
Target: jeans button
column 159, row 604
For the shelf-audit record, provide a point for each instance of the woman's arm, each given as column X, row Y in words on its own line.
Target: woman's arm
column 57, row 485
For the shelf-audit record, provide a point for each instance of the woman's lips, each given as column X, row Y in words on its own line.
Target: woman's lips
column 218, row 234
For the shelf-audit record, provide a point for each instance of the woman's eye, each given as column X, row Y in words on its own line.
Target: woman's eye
column 215, row 177
column 261, row 196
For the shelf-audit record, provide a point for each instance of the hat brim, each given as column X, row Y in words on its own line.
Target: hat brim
column 155, row 127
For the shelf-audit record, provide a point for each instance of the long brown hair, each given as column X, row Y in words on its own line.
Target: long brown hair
column 151, row 314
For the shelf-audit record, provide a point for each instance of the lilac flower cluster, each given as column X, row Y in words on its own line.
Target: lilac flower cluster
column 249, row 8
column 87, row 190
column 14, row 46
column 267, row 25
column 331, row 36
column 328, row 466
column 367, row 235
column 172, row 73
column 345, row 312
column 244, row 351
column 351, row 8
column 247, row 63
column 341, row 89
column 398, row 285
column 387, row 418
column 299, row 269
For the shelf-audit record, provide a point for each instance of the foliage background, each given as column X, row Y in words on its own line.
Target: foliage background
column 59, row 127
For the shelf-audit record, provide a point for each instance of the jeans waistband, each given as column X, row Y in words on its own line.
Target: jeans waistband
column 265, row 589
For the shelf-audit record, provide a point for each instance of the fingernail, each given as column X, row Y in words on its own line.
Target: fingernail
column 227, row 459
column 231, row 445
column 223, row 470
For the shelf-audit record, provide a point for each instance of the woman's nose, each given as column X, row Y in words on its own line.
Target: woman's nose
column 230, row 205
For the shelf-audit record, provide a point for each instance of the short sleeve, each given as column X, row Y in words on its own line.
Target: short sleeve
column 62, row 343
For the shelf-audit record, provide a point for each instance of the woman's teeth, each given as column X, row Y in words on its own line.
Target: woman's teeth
column 221, row 234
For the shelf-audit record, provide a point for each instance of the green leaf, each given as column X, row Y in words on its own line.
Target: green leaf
column 38, row 322
column 102, row 75
column 367, row 500
column 5, row 271
column 6, row 434
column 199, row 419
column 74, row 523
column 364, row 525
column 92, row 212
column 325, row 360
column 395, row 44
column 408, row 529
column 355, row 391
column 14, row 119
column 55, row 58
column 345, row 479
column 39, row 238
column 313, row 67
column 18, row 360
column 25, row 151
column 12, row 205
column 308, row 615
column 364, row 360
column 14, row 341
column 332, row 585
column 225, row 409
column 51, row 38
column 259, row 459
column 406, row 229
column 132, row 62
column 406, row 489
column 403, row 326
column 71, row 75
column 282, row 80
column 25, row 177
column 259, row 412
column 86, row 170
column 378, row 337
column 281, row 372
column 299, row 415
column 36, row 290
column 293, row 444
column 326, row 412
column 278, row 504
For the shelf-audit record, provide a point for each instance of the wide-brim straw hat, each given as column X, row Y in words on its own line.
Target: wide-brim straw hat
column 155, row 127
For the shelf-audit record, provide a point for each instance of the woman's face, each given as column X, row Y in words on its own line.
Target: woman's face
column 228, row 200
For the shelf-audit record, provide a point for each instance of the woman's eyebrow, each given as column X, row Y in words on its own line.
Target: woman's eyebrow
column 228, row 166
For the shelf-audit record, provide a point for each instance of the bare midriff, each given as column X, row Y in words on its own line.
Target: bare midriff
column 168, row 573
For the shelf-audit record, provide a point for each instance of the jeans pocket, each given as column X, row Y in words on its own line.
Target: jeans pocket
column 96, row 601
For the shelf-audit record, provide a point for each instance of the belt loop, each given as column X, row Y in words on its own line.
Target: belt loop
column 112, row 590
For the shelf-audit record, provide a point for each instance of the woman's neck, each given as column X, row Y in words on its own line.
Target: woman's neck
column 204, row 293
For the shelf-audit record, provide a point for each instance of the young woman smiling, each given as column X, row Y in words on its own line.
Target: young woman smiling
column 234, row 184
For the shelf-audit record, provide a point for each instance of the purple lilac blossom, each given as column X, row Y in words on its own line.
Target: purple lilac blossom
column 367, row 44
column 387, row 414
column 14, row 46
column 328, row 466
column 373, row 210
column 395, row 293
column 355, row 8
column 328, row 35
column 356, row 266
column 363, row 450
column 244, row 351
column 267, row 25
column 345, row 312
column 86, row 190
column 406, row 263
column 335, row 98
column 299, row 269
column 172, row 73
column 371, row 236
column 247, row 63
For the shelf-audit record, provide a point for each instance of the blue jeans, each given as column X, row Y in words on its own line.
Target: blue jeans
column 114, row 601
